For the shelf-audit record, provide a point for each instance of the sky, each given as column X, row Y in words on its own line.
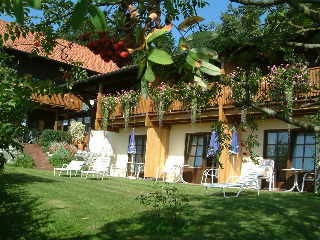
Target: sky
column 210, row 13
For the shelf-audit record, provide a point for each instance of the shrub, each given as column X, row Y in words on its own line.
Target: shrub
column 164, row 206
column 24, row 160
column 48, row 136
column 62, row 153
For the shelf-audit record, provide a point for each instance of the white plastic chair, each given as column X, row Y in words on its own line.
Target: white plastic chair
column 267, row 171
column 209, row 173
column 100, row 167
column 72, row 166
column 167, row 171
column 310, row 177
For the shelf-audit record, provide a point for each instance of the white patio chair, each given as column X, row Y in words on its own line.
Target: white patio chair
column 72, row 166
column 167, row 171
column 100, row 167
column 267, row 171
column 209, row 173
column 310, row 177
column 247, row 180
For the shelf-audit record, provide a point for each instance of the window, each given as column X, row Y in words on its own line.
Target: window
column 303, row 150
column 277, row 149
column 197, row 147
column 301, row 153
column 141, row 141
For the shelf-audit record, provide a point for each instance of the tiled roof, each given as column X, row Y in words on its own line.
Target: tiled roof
column 64, row 51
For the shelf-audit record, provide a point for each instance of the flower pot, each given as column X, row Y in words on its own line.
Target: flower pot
column 80, row 147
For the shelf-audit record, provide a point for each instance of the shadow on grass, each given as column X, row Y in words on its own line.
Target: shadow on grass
column 268, row 216
column 17, row 208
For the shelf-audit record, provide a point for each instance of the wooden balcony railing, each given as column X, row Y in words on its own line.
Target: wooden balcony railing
column 69, row 101
column 146, row 106
column 313, row 79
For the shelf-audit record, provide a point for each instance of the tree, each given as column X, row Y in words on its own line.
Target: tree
column 15, row 100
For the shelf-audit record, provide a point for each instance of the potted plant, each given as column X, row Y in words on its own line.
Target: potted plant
column 77, row 130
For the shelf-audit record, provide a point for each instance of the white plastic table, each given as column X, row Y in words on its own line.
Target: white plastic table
column 296, row 171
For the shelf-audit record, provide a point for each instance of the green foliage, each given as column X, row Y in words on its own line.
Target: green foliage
column 48, row 136
column 63, row 153
column 164, row 204
column 23, row 160
column 79, row 14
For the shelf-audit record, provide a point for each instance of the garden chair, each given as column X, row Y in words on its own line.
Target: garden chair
column 248, row 180
column 72, row 166
column 100, row 167
column 209, row 173
column 267, row 171
column 310, row 177
column 167, row 171
column 118, row 168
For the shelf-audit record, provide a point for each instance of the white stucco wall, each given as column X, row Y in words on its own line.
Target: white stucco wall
column 119, row 143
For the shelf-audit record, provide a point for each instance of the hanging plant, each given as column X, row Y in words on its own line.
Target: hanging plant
column 128, row 100
column 108, row 105
column 196, row 98
column 162, row 96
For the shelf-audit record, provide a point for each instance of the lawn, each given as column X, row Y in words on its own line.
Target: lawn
column 37, row 205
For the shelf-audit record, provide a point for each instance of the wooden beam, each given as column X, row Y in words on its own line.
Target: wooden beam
column 56, row 121
column 98, row 112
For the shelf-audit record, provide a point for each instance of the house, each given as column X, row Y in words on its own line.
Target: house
column 175, row 138
column 47, row 68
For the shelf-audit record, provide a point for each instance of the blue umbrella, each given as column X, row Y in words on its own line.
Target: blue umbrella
column 214, row 144
column 132, row 144
column 234, row 148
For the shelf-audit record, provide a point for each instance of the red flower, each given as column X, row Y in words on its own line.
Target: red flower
column 246, row 153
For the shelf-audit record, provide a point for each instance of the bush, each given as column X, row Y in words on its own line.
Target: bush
column 62, row 153
column 164, row 205
column 24, row 160
column 48, row 136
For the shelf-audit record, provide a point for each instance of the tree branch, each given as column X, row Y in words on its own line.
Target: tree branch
column 290, row 120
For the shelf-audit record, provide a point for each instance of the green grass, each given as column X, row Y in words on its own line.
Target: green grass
column 34, row 204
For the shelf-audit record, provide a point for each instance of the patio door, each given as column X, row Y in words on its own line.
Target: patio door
column 141, row 142
column 196, row 156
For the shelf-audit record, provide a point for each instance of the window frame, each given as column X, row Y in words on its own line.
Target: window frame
column 205, row 145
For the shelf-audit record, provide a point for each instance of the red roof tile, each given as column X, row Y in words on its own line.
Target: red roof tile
column 63, row 52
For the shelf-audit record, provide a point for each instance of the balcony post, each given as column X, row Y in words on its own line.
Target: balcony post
column 98, row 111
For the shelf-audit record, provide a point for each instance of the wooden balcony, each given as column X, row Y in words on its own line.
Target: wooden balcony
column 66, row 102
column 179, row 112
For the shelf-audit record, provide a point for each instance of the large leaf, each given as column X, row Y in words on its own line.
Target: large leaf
column 97, row 18
column 205, row 53
column 36, row 4
column 189, row 21
column 18, row 11
column 193, row 60
column 210, row 69
column 169, row 6
column 149, row 75
column 79, row 14
column 201, row 37
column 141, row 68
column 160, row 57
column 199, row 80
column 144, row 88
column 155, row 35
